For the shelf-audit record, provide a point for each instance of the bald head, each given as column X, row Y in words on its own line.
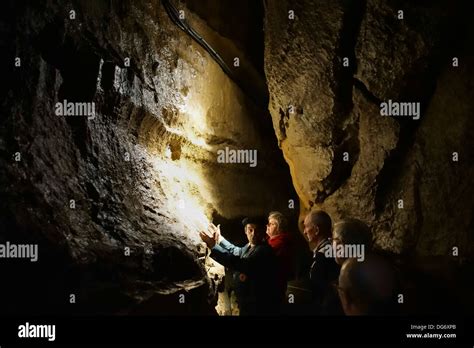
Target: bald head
column 317, row 227
column 367, row 287
column 322, row 220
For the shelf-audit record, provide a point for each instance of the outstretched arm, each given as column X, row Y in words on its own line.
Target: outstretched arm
column 227, row 259
column 222, row 242
column 229, row 247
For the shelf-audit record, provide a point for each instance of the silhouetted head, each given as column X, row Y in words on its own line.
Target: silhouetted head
column 351, row 232
column 317, row 227
column 367, row 287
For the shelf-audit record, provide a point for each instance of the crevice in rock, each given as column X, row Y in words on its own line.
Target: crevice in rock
column 171, row 264
column 79, row 68
column 369, row 96
column 393, row 164
column 345, row 138
column 343, row 76
column 283, row 124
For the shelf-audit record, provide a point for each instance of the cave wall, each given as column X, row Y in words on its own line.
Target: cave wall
column 227, row 17
column 323, row 111
column 142, row 173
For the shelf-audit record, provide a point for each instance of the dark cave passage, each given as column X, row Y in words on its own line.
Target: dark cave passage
column 115, row 198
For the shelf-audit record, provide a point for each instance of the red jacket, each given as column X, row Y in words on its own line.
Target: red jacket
column 282, row 246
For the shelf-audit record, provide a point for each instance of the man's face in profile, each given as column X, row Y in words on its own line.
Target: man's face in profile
column 309, row 230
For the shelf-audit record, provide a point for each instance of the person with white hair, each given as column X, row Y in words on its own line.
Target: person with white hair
column 283, row 246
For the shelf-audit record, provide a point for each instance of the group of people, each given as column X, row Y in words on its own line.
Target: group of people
column 340, row 282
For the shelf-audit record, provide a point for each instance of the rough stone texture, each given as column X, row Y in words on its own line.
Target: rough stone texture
column 336, row 110
column 445, row 187
column 395, row 56
column 142, row 173
column 220, row 24
column 301, row 75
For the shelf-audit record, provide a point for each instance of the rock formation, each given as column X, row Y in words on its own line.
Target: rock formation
column 329, row 66
column 115, row 198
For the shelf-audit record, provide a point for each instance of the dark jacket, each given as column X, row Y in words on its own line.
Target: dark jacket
column 324, row 272
column 255, row 275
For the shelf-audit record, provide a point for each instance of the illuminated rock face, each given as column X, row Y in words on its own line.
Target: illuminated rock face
column 115, row 200
column 119, row 198
column 398, row 175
